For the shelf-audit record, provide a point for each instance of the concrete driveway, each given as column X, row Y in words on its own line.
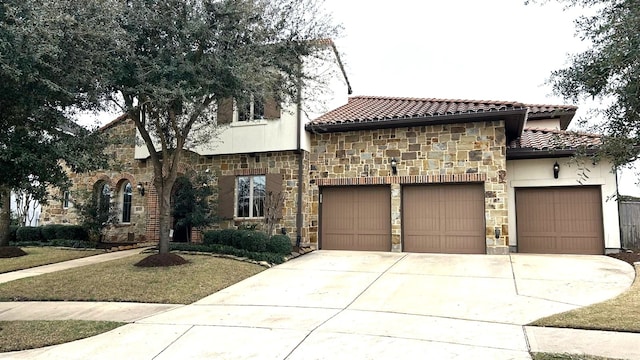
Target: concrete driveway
column 360, row 305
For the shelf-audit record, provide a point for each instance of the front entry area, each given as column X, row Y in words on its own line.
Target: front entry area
column 443, row 218
column 356, row 218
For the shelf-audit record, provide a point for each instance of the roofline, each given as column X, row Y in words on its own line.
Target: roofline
column 426, row 120
column 341, row 65
column 518, row 154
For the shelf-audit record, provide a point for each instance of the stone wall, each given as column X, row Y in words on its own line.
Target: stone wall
column 467, row 152
column 124, row 168
column 145, row 217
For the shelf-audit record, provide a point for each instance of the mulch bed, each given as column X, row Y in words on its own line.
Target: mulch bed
column 11, row 252
column 161, row 260
column 629, row 256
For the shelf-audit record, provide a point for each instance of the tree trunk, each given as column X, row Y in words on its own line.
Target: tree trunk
column 164, row 210
column 5, row 215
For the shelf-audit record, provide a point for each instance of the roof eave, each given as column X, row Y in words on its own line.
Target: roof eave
column 514, row 122
column 517, row 154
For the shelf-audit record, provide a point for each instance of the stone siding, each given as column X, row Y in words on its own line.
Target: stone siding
column 466, row 152
column 145, row 217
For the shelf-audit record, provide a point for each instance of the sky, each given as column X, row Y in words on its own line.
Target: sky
column 461, row 49
column 458, row 49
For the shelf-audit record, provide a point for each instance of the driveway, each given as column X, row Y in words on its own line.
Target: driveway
column 363, row 305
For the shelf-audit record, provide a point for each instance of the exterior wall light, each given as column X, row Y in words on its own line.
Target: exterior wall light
column 556, row 170
column 140, row 188
column 394, row 166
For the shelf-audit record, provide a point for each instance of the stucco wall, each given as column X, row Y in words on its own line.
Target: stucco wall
column 539, row 173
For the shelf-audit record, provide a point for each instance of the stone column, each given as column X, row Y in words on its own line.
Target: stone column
column 396, row 218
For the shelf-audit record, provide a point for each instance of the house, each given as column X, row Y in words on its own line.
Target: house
column 262, row 147
column 457, row 176
column 382, row 173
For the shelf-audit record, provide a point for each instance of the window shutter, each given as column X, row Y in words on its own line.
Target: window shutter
column 226, row 198
column 271, row 108
column 274, row 186
column 225, row 111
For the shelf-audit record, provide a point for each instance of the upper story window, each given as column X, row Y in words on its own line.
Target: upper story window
column 251, row 194
column 252, row 108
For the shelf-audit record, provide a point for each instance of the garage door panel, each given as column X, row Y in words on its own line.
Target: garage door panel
column 356, row 218
column 443, row 218
column 559, row 220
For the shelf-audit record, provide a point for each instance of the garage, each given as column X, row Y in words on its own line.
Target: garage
column 444, row 218
column 559, row 220
column 356, row 218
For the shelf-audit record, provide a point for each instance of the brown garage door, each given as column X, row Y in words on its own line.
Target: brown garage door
column 443, row 218
column 562, row 220
column 356, row 218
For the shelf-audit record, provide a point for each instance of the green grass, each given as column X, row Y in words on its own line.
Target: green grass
column 23, row 335
column 618, row 314
column 119, row 280
column 551, row 356
column 38, row 256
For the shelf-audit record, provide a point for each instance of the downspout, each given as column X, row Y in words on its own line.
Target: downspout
column 300, row 155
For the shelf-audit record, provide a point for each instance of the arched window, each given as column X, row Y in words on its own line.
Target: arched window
column 104, row 198
column 127, row 195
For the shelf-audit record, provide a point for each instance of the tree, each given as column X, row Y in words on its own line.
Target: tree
column 52, row 54
column 96, row 211
column 177, row 59
column 191, row 203
column 609, row 70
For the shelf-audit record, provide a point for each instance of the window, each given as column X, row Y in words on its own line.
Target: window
column 103, row 199
column 127, row 194
column 65, row 200
column 251, row 109
column 251, row 196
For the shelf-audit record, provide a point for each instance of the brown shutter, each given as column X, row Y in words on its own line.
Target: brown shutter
column 271, row 108
column 274, row 186
column 225, row 111
column 226, row 198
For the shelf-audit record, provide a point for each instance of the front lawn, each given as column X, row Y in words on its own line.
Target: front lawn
column 38, row 256
column 618, row 314
column 23, row 335
column 119, row 280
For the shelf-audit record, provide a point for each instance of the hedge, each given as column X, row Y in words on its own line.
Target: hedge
column 229, row 250
column 28, row 233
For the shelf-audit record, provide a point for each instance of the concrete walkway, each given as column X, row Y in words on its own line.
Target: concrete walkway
column 95, row 259
column 338, row 305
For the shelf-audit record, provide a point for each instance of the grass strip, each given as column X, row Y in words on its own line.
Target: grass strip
column 119, row 280
column 23, row 335
column 38, row 256
column 618, row 314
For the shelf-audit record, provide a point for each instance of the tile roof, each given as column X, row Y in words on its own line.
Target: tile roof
column 377, row 108
column 546, row 139
column 372, row 108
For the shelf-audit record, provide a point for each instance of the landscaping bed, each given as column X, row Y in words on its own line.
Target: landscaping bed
column 630, row 256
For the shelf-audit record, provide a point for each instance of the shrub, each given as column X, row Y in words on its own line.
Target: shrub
column 211, row 237
column 230, row 250
column 226, row 237
column 59, row 231
column 279, row 244
column 254, row 241
column 71, row 232
column 49, row 232
column 28, row 233
column 12, row 233
column 237, row 238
